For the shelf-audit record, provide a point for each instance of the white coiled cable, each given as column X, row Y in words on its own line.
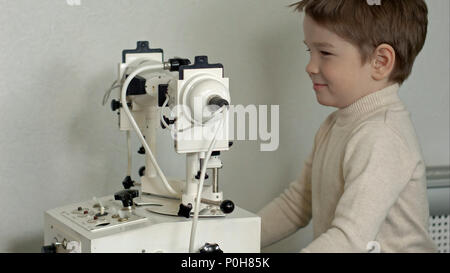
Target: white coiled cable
column 202, row 180
column 136, row 127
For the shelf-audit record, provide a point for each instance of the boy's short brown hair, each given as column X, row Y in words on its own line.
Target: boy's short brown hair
column 369, row 23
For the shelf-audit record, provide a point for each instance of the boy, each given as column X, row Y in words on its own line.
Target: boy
column 364, row 182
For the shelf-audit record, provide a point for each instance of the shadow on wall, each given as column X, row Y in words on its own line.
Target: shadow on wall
column 76, row 102
column 27, row 244
column 279, row 47
column 284, row 65
column 91, row 134
column 82, row 146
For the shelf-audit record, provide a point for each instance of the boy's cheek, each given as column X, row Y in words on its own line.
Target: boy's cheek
column 332, row 74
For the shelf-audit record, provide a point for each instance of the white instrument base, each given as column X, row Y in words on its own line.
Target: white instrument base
column 146, row 231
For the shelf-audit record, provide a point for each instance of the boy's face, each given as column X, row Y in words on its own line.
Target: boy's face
column 335, row 67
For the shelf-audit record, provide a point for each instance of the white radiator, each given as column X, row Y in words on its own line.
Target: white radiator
column 440, row 232
column 438, row 179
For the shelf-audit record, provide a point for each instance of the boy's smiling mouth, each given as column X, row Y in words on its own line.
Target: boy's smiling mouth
column 318, row 86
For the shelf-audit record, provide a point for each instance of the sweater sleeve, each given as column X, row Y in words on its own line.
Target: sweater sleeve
column 290, row 211
column 377, row 166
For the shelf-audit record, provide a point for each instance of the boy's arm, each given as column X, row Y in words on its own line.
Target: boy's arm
column 290, row 211
column 376, row 168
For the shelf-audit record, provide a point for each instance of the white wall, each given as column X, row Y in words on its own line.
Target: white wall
column 58, row 145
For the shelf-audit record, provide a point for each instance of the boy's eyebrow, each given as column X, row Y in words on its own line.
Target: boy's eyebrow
column 321, row 44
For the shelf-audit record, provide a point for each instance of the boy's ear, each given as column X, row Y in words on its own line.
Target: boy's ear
column 383, row 62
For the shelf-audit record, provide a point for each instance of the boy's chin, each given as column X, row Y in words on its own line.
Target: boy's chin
column 325, row 102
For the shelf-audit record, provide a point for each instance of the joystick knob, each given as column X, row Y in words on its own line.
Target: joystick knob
column 227, row 206
column 126, row 196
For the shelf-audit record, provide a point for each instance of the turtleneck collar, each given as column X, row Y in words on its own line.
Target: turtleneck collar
column 367, row 104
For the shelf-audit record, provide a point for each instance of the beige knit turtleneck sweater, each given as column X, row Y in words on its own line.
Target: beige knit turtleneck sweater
column 364, row 181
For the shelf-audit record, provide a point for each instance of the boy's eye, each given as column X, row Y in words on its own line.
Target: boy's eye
column 325, row 53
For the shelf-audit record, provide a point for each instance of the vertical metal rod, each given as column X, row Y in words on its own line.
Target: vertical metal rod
column 215, row 182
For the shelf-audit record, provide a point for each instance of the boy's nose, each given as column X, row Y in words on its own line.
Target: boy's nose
column 312, row 68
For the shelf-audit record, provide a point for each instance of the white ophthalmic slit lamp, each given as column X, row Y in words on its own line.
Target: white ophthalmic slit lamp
column 160, row 214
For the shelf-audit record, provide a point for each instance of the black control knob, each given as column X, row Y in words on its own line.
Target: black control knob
column 115, row 104
column 185, row 211
column 127, row 182
column 175, row 63
column 126, row 196
column 141, row 171
column 49, row 249
column 141, row 150
column 211, row 248
column 199, row 173
column 227, row 206
column 168, row 122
